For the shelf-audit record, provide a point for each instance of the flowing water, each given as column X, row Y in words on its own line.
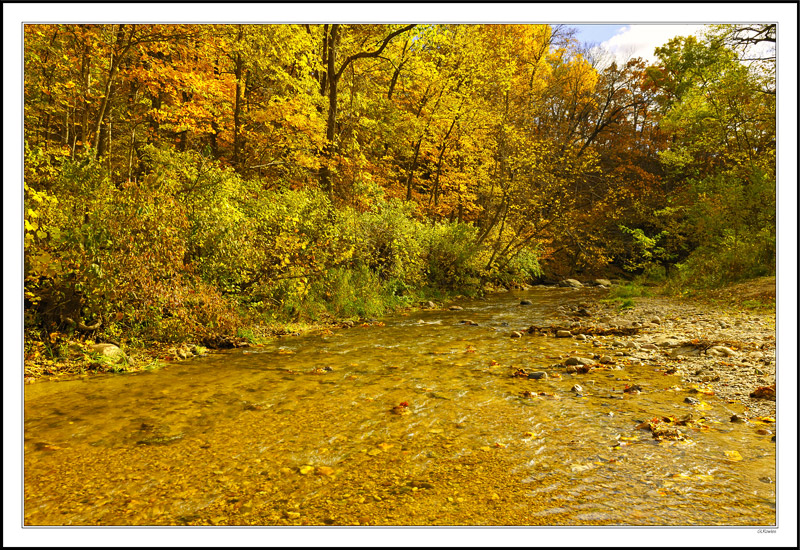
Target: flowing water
column 304, row 431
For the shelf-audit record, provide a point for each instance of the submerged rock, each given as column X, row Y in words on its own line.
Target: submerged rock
column 578, row 361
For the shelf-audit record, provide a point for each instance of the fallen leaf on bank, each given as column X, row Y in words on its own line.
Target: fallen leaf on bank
column 696, row 388
column 306, row 469
column 765, row 419
column 373, row 452
column 324, row 470
column 733, row 455
column 385, row 446
column 764, row 392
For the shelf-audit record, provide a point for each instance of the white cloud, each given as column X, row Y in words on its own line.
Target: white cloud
column 642, row 40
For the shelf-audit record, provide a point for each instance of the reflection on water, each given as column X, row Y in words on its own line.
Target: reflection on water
column 304, row 431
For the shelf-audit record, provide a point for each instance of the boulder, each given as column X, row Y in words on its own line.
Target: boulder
column 666, row 341
column 573, row 283
column 563, row 334
column 111, row 352
column 721, row 351
column 685, row 350
column 602, row 282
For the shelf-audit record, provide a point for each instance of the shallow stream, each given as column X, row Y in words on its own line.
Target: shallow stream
column 305, row 431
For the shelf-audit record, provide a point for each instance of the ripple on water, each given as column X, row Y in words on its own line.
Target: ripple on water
column 465, row 416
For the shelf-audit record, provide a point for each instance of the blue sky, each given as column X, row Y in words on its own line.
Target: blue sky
column 596, row 33
column 628, row 41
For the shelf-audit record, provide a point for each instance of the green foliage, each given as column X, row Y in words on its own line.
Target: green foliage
column 629, row 290
column 644, row 252
column 449, row 251
column 388, row 241
column 227, row 195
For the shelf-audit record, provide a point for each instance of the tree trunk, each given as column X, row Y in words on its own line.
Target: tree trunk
column 112, row 71
column 330, row 131
column 413, row 167
column 237, row 106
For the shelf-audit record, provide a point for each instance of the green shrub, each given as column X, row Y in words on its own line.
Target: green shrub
column 449, row 255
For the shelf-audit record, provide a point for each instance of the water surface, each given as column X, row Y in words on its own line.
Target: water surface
column 302, row 431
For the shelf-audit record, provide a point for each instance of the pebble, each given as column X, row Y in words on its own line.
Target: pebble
column 563, row 334
column 580, row 337
column 539, row 375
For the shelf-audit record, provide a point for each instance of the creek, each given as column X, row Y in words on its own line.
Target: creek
column 305, row 431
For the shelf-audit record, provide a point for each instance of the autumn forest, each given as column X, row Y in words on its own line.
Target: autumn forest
column 201, row 182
